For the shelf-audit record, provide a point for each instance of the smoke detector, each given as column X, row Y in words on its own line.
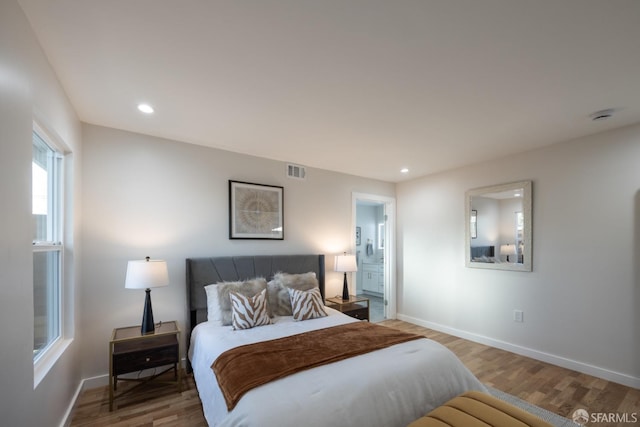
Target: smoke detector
column 602, row 115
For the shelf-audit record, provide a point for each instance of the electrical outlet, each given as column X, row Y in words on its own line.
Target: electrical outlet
column 518, row 316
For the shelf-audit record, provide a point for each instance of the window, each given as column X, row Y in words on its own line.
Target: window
column 47, row 202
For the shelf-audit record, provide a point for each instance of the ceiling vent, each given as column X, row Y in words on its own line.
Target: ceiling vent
column 296, row 171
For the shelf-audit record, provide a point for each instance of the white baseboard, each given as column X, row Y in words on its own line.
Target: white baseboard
column 84, row 384
column 66, row 420
column 563, row 362
column 95, row 382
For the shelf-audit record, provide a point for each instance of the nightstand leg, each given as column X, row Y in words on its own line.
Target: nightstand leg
column 111, row 384
column 111, row 387
column 178, row 378
column 179, row 365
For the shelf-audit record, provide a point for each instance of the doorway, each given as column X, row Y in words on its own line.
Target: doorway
column 373, row 220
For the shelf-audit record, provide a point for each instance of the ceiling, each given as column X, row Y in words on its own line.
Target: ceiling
column 364, row 87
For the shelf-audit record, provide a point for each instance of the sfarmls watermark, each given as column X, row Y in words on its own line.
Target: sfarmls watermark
column 582, row 417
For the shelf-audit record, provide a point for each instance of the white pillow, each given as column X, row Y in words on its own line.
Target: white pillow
column 214, row 314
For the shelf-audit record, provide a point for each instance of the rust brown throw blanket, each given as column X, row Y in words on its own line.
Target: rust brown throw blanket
column 242, row 368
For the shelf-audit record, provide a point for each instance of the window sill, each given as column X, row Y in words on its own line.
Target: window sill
column 44, row 364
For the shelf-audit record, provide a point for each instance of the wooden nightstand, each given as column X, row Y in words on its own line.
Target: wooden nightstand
column 130, row 351
column 357, row 307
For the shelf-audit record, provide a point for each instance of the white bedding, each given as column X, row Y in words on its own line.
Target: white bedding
column 386, row 388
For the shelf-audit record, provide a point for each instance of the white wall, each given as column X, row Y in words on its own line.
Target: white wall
column 28, row 89
column 166, row 199
column 581, row 301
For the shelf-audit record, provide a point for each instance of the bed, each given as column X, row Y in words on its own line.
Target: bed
column 483, row 254
column 388, row 387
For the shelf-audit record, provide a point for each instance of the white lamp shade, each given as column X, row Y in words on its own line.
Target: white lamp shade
column 507, row 249
column 144, row 274
column 346, row 263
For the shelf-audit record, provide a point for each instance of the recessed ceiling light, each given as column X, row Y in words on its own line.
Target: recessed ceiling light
column 145, row 108
column 404, row 170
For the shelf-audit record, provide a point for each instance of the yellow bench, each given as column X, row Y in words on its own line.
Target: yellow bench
column 476, row 409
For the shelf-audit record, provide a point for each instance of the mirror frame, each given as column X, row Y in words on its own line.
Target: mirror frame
column 527, row 232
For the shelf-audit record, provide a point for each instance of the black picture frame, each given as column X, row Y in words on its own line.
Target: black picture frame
column 256, row 211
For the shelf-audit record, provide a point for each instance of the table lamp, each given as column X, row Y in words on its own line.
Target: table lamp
column 146, row 274
column 507, row 250
column 347, row 264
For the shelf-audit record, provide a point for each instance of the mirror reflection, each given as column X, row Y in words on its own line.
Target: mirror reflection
column 499, row 227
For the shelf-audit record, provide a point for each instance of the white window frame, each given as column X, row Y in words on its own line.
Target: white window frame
column 47, row 356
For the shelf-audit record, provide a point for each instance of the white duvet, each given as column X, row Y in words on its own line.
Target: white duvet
column 385, row 388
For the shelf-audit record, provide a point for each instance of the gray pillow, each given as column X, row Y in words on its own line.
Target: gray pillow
column 278, row 293
column 247, row 288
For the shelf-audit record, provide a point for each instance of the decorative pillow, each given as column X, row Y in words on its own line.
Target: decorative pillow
column 306, row 304
column 213, row 305
column 277, row 290
column 247, row 288
column 247, row 312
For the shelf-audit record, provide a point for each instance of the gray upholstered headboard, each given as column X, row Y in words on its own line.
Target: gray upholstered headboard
column 482, row 251
column 205, row 271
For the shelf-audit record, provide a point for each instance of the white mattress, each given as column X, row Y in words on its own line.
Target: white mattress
column 385, row 388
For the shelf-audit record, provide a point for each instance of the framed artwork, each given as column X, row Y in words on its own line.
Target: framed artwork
column 474, row 224
column 255, row 211
column 358, row 235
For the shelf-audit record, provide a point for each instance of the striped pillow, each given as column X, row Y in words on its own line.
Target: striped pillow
column 247, row 312
column 306, row 304
column 277, row 295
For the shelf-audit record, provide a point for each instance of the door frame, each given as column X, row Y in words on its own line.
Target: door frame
column 389, row 245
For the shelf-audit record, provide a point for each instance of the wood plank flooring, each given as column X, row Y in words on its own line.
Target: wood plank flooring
column 150, row 404
column 556, row 389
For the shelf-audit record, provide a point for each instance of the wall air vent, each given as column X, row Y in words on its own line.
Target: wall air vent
column 296, row 171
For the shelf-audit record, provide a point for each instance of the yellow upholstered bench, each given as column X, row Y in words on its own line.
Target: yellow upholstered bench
column 476, row 409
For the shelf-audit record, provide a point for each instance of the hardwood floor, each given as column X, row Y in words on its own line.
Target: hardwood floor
column 151, row 404
column 558, row 390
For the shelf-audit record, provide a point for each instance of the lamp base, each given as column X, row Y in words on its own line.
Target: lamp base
column 345, row 289
column 148, row 327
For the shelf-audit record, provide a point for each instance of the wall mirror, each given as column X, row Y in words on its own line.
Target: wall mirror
column 498, row 227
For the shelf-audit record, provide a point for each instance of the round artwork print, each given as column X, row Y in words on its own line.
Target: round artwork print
column 256, row 211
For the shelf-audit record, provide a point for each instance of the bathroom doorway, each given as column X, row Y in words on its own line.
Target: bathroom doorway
column 374, row 225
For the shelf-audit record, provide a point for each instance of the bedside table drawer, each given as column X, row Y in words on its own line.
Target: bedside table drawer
column 357, row 307
column 145, row 359
column 135, row 355
column 360, row 313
